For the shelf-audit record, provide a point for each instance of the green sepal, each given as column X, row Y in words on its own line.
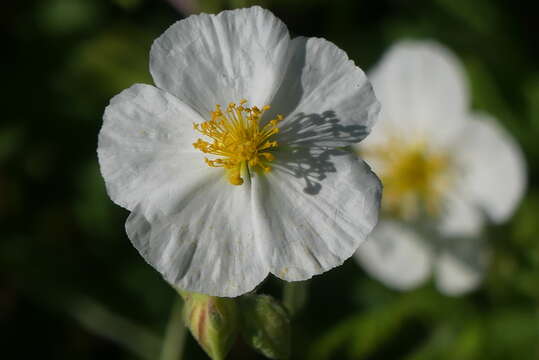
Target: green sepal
column 266, row 326
column 213, row 322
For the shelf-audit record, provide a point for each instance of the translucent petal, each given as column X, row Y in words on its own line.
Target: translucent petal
column 460, row 266
column 200, row 237
column 313, row 210
column 460, row 216
column 396, row 255
column 423, row 92
column 145, row 142
column 325, row 98
column 216, row 59
column 493, row 167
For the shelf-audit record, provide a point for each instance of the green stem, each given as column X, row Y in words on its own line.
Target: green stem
column 295, row 296
column 101, row 321
column 174, row 340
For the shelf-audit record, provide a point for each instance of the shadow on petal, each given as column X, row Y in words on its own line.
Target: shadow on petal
column 311, row 164
column 322, row 129
column 308, row 140
column 305, row 150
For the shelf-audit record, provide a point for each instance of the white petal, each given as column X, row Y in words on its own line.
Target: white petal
column 146, row 141
column 460, row 266
column 423, row 92
column 325, row 98
column 396, row 255
column 217, row 59
column 203, row 239
column 460, row 216
column 494, row 170
column 313, row 211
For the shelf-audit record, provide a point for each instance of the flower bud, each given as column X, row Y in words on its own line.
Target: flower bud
column 266, row 326
column 213, row 322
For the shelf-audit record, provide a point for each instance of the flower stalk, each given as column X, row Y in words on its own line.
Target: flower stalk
column 174, row 341
column 295, row 296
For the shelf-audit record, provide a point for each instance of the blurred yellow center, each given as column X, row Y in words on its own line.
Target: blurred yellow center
column 238, row 139
column 415, row 179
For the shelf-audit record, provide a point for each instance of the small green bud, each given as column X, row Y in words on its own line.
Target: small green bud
column 266, row 326
column 213, row 322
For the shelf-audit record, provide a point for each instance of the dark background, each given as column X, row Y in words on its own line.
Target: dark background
column 73, row 287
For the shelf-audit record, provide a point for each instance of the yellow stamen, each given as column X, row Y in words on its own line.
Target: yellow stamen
column 238, row 139
column 415, row 179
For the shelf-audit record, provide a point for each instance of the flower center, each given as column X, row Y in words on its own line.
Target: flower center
column 414, row 178
column 238, row 139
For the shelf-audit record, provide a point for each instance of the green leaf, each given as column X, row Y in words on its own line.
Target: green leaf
column 102, row 322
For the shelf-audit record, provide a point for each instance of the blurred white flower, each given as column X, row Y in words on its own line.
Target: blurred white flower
column 445, row 171
column 221, row 195
column 185, row 6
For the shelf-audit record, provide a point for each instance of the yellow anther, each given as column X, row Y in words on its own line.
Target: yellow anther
column 238, row 139
column 414, row 178
column 268, row 156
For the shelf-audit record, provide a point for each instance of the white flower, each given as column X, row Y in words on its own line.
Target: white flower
column 445, row 170
column 221, row 195
column 185, row 6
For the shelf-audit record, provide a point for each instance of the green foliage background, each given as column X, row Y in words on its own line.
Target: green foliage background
column 72, row 286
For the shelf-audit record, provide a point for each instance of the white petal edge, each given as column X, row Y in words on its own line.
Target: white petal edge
column 326, row 99
column 423, row 91
column 494, row 169
column 460, row 266
column 207, row 60
column 311, row 225
column 396, row 255
column 205, row 242
column 145, row 141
